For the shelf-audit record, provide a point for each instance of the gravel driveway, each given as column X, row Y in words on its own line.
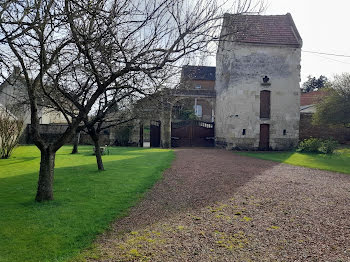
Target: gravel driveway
column 214, row 205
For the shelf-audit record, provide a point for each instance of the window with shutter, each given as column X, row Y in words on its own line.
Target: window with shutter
column 265, row 104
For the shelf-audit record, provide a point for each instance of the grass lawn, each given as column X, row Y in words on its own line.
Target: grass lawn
column 338, row 162
column 86, row 201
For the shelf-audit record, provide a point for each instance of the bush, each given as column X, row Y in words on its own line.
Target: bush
column 309, row 145
column 10, row 132
column 123, row 134
column 328, row 146
column 316, row 145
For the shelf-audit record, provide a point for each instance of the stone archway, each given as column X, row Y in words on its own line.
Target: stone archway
column 161, row 109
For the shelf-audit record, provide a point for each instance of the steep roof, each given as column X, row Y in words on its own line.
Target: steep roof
column 14, row 78
column 262, row 29
column 198, row 73
column 5, row 112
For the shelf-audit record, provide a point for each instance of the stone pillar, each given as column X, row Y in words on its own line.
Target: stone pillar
column 112, row 133
column 165, row 127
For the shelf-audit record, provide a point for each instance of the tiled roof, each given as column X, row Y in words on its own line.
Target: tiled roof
column 198, row 73
column 261, row 29
column 311, row 98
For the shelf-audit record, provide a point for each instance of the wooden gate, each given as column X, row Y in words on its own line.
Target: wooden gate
column 155, row 134
column 192, row 133
column 264, row 143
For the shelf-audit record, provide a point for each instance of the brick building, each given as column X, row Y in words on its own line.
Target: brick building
column 196, row 92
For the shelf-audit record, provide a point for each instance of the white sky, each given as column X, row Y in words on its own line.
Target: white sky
column 324, row 27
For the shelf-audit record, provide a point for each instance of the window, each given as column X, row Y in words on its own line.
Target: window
column 198, row 86
column 198, row 110
column 243, row 132
column 265, row 104
column 284, row 132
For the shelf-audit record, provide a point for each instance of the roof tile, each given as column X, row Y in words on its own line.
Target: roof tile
column 261, row 29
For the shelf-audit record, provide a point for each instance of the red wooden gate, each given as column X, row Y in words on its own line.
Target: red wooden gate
column 192, row 133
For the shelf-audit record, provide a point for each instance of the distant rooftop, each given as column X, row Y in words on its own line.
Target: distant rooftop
column 198, row 73
column 263, row 29
column 311, row 98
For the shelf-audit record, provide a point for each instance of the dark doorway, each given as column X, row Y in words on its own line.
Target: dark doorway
column 264, row 143
column 190, row 133
column 265, row 104
column 141, row 136
column 155, row 134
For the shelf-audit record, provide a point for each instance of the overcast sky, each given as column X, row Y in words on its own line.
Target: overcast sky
column 324, row 27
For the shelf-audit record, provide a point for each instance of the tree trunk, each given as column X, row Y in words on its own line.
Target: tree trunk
column 46, row 174
column 76, row 143
column 96, row 138
column 98, row 154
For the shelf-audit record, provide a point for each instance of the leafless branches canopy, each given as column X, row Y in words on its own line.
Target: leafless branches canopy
column 77, row 52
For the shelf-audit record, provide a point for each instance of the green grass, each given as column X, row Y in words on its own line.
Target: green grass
column 86, row 201
column 337, row 162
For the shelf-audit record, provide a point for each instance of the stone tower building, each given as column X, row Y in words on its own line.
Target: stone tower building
column 257, row 83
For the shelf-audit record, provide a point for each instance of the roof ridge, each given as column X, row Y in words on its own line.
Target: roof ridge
column 261, row 29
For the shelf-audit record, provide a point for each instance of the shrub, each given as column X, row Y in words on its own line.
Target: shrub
column 316, row 145
column 328, row 146
column 123, row 134
column 309, row 145
column 10, row 132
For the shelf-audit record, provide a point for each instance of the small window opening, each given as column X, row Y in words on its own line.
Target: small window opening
column 284, row 132
column 243, row 132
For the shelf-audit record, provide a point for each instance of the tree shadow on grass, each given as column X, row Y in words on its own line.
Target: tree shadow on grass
column 86, row 201
column 115, row 150
column 15, row 160
column 336, row 162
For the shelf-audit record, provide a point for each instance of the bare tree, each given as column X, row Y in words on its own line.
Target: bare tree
column 97, row 43
column 110, row 113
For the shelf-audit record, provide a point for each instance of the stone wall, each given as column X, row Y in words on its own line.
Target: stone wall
column 13, row 97
column 50, row 132
column 240, row 69
column 192, row 84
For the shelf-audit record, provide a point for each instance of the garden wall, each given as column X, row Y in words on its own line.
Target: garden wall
column 308, row 130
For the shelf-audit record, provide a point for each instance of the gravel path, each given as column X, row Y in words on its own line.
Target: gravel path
column 213, row 205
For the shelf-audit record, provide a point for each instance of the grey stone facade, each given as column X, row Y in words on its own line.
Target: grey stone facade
column 241, row 65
